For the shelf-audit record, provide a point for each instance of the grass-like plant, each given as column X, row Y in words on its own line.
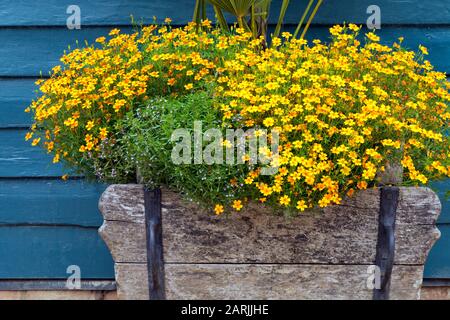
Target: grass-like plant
column 252, row 15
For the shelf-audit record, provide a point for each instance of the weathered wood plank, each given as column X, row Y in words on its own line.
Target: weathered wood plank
column 256, row 281
column 123, row 202
column 53, row 12
column 296, row 282
column 25, row 201
column 45, row 252
column 132, row 281
column 29, row 58
column 131, row 248
column 340, row 234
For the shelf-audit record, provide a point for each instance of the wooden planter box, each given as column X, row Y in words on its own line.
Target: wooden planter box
column 323, row 254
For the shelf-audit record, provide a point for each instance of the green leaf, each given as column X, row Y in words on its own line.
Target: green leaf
column 283, row 10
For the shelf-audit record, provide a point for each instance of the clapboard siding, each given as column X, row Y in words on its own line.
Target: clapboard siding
column 37, row 54
column 441, row 188
column 46, row 201
column 38, row 252
column 15, row 95
column 438, row 265
column 42, row 49
column 19, row 158
column 117, row 12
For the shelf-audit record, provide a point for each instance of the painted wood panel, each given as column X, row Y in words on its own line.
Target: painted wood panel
column 46, row 252
column 15, row 96
column 19, row 158
column 42, row 48
column 45, row 201
column 438, row 263
column 117, row 12
column 38, row 54
column 442, row 188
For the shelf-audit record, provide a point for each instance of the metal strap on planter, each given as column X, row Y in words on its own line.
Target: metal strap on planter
column 384, row 258
column 155, row 262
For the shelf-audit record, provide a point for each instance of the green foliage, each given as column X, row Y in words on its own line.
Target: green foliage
column 252, row 15
column 149, row 131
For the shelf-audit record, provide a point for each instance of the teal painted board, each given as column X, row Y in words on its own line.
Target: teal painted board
column 355, row 11
column 442, row 188
column 37, row 53
column 437, row 40
column 438, row 263
column 45, row 201
column 98, row 12
column 27, row 52
column 46, row 252
column 18, row 158
column 117, row 12
column 15, row 96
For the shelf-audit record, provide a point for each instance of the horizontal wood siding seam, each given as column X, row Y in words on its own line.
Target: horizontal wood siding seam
column 50, row 285
column 118, row 12
column 46, row 55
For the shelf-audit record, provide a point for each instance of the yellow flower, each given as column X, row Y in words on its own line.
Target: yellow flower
column 423, row 49
column 188, row 86
column 89, row 125
column 354, row 27
column 301, row 205
column 28, row 136
column 206, row 23
column 65, row 177
column 268, row 122
column 372, row 37
column 218, row 209
column 56, row 158
column 100, row 40
column 167, row 20
column 237, row 205
column 248, row 180
column 119, row 104
column 114, row 32
column 284, row 200
column 36, row 142
column 103, row 133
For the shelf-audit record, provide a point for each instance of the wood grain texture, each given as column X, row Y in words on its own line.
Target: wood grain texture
column 132, row 281
column 13, row 12
column 296, row 282
column 255, row 281
column 339, row 234
column 258, row 255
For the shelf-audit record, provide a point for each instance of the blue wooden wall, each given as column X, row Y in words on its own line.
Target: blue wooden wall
column 47, row 224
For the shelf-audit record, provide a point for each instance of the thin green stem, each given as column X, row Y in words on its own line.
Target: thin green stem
column 305, row 13
column 311, row 17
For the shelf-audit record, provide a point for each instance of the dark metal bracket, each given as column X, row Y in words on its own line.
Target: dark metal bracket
column 384, row 258
column 155, row 261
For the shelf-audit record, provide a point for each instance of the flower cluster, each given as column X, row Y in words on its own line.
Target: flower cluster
column 77, row 116
column 343, row 112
